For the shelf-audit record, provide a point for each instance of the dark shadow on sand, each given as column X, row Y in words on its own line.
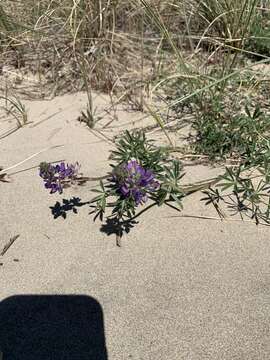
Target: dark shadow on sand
column 68, row 205
column 113, row 227
column 52, row 327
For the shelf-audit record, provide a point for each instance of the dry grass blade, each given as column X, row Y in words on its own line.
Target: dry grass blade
column 29, row 158
column 8, row 245
column 216, row 219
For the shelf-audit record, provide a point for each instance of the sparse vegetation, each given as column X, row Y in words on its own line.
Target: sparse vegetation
column 237, row 135
column 15, row 108
column 200, row 56
column 148, row 122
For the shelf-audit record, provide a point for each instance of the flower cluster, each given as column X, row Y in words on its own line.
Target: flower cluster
column 56, row 176
column 133, row 181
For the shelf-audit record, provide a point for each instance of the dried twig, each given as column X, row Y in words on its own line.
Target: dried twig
column 8, row 245
column 5, row 178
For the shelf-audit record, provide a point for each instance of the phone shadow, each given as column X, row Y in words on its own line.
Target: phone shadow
column 52, row 327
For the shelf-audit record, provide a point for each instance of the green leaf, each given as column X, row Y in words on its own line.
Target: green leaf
column 162, row 197
column 177, row 200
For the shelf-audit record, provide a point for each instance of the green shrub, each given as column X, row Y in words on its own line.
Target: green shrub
column 219, row 136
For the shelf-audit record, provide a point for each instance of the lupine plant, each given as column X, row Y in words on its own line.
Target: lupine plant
column 140, row 172
column 56, row 177
column 245, row 189
column 143, row 173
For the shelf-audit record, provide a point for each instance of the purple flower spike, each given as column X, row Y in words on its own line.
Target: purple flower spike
column 56, row 176
column 133, row 181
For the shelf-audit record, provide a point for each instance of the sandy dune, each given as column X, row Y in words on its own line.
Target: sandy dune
column 178, row 288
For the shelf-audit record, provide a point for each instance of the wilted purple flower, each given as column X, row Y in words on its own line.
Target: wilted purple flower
column 56, row 176
column 132, row 180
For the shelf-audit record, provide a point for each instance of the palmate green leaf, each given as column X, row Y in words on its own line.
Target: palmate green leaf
column 232, row 179
column 212, row 195
column 162, row 195
column 262, row 186
column 169, row 172
column 177, row 200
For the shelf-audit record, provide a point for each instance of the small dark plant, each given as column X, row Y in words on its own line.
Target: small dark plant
column 88, row 118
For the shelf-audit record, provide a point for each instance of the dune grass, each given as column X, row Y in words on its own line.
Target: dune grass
column 188, row 53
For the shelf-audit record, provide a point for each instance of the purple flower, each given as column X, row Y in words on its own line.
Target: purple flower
column 133, row 181
column 56, row 176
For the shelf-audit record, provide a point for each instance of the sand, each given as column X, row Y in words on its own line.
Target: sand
column 178, row 288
